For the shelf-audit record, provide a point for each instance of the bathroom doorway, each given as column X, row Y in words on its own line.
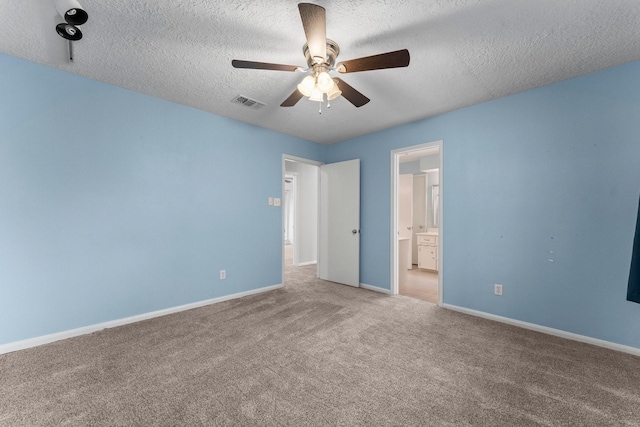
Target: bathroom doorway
column 416, row 222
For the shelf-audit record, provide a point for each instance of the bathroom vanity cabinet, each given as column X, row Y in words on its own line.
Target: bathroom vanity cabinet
column 427, row 251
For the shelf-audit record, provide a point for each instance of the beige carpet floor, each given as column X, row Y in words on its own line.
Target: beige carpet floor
column 318, row 353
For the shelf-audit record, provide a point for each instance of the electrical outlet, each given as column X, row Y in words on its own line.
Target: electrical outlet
column 497, row 289
column 223, row 274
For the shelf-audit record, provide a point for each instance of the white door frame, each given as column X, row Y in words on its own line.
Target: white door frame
column 286, row 157
column 414, row 239
column 395, row 170
column 293, row 238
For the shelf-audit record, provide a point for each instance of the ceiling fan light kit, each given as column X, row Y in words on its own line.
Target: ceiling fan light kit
column 321, row 54
column 320, row 84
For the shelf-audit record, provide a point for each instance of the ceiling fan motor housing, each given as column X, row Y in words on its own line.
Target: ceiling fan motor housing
column 333, row 50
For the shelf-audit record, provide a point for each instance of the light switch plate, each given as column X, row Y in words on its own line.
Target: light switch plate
column 276, row 201
column 270, row 201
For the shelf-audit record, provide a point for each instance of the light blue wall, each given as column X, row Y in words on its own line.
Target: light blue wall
column 113, row 203
column 548, row 174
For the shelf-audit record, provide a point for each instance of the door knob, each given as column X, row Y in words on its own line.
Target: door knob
column 354, row 231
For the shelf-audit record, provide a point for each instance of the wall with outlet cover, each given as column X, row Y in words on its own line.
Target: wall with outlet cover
column 539, row 192
column 114, row 204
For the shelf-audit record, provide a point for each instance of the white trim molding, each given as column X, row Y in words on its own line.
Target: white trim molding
column 302, row 264
column 46, row 339
column 395, row 171
column 546, row 330
column 375, row 288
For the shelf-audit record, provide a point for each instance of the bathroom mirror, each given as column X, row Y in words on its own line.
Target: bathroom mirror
column 435, row 201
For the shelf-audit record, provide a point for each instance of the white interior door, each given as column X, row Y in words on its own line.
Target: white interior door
column 339, row 225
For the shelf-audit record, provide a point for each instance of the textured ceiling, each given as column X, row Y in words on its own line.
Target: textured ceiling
column 462, row 52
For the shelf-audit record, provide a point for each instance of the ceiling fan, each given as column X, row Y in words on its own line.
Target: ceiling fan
column 321, row 53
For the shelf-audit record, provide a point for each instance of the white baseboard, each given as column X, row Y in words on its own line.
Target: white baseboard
column 375, row 288
column 302, row 264
column 546, row 330
column 46, row 339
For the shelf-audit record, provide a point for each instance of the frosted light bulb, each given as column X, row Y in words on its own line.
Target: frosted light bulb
column 316, row 95
column 306, row 85
column 325, row 82
column 334, row 92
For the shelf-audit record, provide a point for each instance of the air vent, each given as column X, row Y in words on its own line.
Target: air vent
column 247, row 102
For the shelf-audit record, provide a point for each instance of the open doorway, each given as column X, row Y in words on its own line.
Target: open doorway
column 300, row 215
column 417, row 222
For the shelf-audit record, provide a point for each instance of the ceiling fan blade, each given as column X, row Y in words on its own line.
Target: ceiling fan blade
column 350, row 94
column 262, row 66
column 292, row 99
column 314, row 21
column 396, row 59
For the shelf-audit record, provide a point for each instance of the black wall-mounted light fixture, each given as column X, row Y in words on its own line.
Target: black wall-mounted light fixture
column 74, row 15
